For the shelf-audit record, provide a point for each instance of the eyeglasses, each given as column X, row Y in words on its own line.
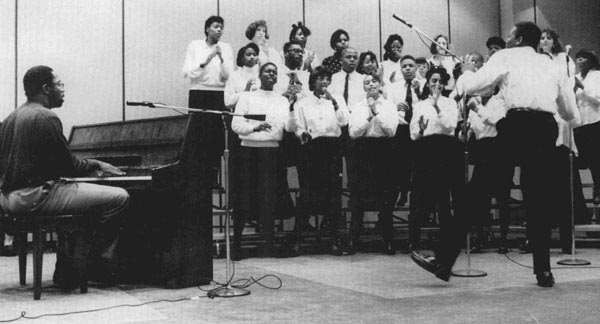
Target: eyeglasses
column 59, row 85
column 296, row 50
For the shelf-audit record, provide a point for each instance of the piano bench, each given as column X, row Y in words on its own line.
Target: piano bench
column 21, row 225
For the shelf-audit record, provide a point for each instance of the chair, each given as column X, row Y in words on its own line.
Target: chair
column 21, row 225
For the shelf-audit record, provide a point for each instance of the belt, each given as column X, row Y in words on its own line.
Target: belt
column 529, row 110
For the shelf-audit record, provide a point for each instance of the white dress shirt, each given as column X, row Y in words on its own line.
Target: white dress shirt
column 236, row 84
column 442, row 123
column 396, row 93
column 214, row 74
column 483, row 122
column 318, row 117
column 384, row 124
column 526, row 80
column 389, row 67
column 276, row 109
column 588, row 99
column 356, row 90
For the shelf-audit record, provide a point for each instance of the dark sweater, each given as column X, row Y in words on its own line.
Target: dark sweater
column 33, row 149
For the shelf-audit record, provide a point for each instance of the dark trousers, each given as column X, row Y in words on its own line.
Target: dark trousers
column 437, row 173
column 257, row 198
column 587, row 139
column 320, row 189
column 531, row 137
column 491, row 178
column 371, row 188
column 401, row 156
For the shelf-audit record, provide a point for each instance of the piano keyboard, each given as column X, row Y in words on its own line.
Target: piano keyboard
column 108, row 179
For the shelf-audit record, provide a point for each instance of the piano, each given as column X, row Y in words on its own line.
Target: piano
column 166, row 234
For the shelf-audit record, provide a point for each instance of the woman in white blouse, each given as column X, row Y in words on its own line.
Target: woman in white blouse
column 373, row 122
column 442, row 58
column 258, row 33
column 321, row 117
column 258, row 192
column 436, row 154
column 245, row 78
column 587, row 86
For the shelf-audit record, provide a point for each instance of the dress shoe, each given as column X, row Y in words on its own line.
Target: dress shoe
column 477, row 248
column 502, row 249
column 525, row 247
column 8, row 251
column 430, row 264
column 545, row 279
column 351, row 247
column 388, row 248
column 336, row 248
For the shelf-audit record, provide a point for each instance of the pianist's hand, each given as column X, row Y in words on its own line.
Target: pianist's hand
column 107, row 168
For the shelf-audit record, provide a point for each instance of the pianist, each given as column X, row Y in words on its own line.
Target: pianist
column 34, row 155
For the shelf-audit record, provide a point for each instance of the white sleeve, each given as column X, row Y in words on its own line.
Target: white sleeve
column 191, row 65
column 241, row 125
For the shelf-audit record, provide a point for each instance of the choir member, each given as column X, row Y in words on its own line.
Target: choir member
column 391, row 57
column 321, row 117
column 258, row 33
column 338, row 42
column 435, row 154
column 310, row 58
column 442, row 58
column 372, row 122
column 260, row 155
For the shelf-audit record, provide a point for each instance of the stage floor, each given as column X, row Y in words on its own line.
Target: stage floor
column 363, row 288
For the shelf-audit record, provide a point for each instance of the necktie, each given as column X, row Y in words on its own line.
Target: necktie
column 408, row 100
column 346, row 88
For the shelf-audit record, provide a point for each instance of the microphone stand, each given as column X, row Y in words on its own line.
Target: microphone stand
column 225, row 290
column 572, row 261
column 416, row 29
column 468, row 272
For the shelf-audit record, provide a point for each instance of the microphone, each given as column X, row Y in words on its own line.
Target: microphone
column 256, row 117
column 402, row 21
column 141, row 103
column 568, row 49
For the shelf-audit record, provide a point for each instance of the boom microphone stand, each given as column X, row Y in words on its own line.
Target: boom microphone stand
column 468, row 272
column 227, row 290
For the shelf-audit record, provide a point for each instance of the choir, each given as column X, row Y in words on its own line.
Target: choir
column 399, row 125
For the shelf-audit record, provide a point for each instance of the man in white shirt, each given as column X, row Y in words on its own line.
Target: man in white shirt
column 207, row 65
column 348, row 83
column 404, row 93
column 533, row 91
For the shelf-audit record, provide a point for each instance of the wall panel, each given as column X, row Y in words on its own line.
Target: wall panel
column 580, row 30
column 81, row 41
column 7, row 57
column 359, row 18
column 279, row 15
column 157, row 34
column 472, row 22
column 429, row 16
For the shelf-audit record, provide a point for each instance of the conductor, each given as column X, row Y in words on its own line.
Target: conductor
column 533, row 91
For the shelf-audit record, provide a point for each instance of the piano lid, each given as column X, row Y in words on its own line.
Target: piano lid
column 153, row 142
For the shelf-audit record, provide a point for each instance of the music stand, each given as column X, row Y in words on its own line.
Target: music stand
column 225, row 290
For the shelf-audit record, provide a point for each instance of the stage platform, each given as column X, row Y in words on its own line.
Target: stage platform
column 363, row 288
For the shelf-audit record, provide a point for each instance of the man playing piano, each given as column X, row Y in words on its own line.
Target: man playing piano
column 34, row 155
